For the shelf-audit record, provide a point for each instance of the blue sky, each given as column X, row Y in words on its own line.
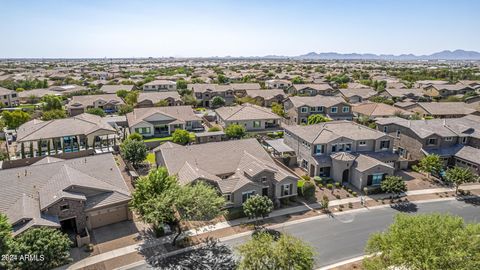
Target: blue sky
column 141, row 28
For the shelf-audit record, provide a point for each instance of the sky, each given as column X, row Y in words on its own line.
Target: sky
column 187, row 28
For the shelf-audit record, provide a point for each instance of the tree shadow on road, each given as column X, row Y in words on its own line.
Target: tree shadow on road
column 406, row 207
column 210, row 255
column 475, row 200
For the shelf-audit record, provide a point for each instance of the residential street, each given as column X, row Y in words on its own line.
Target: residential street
column 344, row 236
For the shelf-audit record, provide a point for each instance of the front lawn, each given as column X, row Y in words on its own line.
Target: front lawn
column 163, row 139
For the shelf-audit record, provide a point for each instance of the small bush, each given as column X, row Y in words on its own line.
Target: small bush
column 350, row 205
column 337, row 196
column 320, row 185
column 308, row 190
column 306, row 177
column 337, row 185
column 329, row 186
column 354, row 194
column 341, row 206
column 348, row 195
column 350, row 191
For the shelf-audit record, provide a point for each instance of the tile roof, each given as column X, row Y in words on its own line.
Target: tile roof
column 82, row 124
column 180, row 113
column 245, row 111
column 316, row 101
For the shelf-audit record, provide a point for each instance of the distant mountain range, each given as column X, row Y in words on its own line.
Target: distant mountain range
column 443, row 55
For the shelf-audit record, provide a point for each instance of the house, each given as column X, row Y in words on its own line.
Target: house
column 252, row 117
column 442, row 109
column 356, row 95
column 112, row 89
column 238, row 169
column 403, row 93
column 67, row 89
column 379, row 110
column 35, row 95
column 457, row 141
column 343, row 150
column 73, row 195
column 162, row 121
column 267, row 97
column 149, row 99
column 8, row 98
column 445, row 90
column 205, row 93
column 311, row 89
column 473, row 84
column 276, row 83
column 160, row 85
column 210, row 136
column 101, row 75
column 75, row 134
column 110, row 103
column 299, row 108
column 425, row 83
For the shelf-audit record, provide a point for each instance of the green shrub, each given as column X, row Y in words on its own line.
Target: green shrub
column 354, row 194
column 329, row 186
column 350, row 191
column 308, row 190
column 341, row 206
column 317, row 179
column 300, row 183
column 350, row 205
column 320, row 185
column 306, row 177
column 337, row 185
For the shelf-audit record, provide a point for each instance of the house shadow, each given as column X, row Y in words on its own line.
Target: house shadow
column 405, row 207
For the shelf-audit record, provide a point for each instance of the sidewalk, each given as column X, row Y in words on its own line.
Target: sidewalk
column 221, row 225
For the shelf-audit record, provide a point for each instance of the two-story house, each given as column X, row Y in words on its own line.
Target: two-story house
column 162, row 121
column 160, row 85
column 356, row 95
column 299, row 108
column 252, row 117
column 343, row 150
column 457, row 141
column 266, row 97
column 204, row 93
column 445, row 90
column 238, row 169
column 441, row 109
column 8, row 98
column 311, row 89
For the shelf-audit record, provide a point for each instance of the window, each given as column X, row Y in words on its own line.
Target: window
column 144, row 130
column 385, row 129
column 304, row 109
column 304, row 164
column 318, row 149
column 348, row 147
column 346, row 109
column 449, row 139
column 228, row 197
column 384, row 144
column 333, row 110
column 362, row 143
column 398, row 133
column 286, row 189
column 334, row 148
column 64, row 207
column 320, row 109
column 464, row 140
column 432, row 141
column 264, row 179
column 247, row 194
column 256, row 124
column 377, row 179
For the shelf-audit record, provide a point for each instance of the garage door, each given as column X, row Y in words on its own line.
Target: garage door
column 108, row 216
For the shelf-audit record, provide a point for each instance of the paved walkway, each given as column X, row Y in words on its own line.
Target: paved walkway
column 221, row 225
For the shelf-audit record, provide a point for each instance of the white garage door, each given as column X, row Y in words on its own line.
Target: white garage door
column 108, row 216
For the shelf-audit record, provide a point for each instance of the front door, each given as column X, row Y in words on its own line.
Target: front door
column 345, row 175
column 265, row 191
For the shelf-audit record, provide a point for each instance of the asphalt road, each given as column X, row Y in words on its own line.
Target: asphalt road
column 344, row 236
